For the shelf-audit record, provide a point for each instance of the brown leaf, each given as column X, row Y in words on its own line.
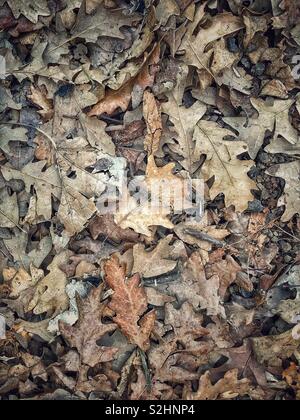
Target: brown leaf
column 89, row 329
column 227, row 270
column 129, row 302
column 196, row 288
column 156, row 262
column 152, row 117
column 106, row 227
column 122, row 97
column 39, row 98
column 227, row 388
column 187, row 326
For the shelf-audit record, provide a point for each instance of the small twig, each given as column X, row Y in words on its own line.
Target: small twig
column 204, row 237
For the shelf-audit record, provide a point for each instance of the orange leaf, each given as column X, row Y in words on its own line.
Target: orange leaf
column 129, row 302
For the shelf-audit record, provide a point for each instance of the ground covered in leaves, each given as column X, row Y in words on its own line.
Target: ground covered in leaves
column 132, row 304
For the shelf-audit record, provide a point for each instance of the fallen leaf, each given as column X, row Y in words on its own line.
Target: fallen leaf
column 275, row 117
column 129, row 302
column 50, row 295
column 39, row 98
column 226, row 388
column 272, row 350
column 122, row 97
column 221, row 162
column 184, row 121
column 154, row 263
column 290, row 172
column 154, row 124
column 9, row 209
column 36, row 9
column 89, row 329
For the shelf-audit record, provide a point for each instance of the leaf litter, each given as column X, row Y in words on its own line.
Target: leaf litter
column 138, row 303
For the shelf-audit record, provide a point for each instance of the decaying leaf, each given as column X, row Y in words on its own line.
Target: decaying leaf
column 89, row 329
column 129, row 302
column 149, row 200
column 154, row 124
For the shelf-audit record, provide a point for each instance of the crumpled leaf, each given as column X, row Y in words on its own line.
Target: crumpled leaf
column 135, row 86
column 39, row 98
column 195, row 45
column 229, row 271
column 221, row 162
column 186, row 324
column 70, row 316
column 89, row 329
column 197, row 289
column 129, row 302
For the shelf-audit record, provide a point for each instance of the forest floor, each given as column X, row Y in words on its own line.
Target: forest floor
column 150, row 199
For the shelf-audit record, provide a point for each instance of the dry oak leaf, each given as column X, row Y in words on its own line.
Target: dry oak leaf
column 102, row 22
column 272, row 350
column 226, row 388
column 168, row 362
column 195, row 288
column 187, row 326
column 46, row 183
column 201, row 233
column 121, row 98
column 129, row 302
column 221, row 163
column 39, row 98
column 23, row 280
column 156, row 262
column 228, row 271
column 141, row 218
column 8, row 134
column 9, row 209
column 153, row 120
column 195, row 46
column 31, row 11
column 184, row 121
column 89, row 329
column 106, row 227
column 50, row 295
column 292, row 376
column 290, row 172
column 171, row 192
column 17, row 247
column 275, row 117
